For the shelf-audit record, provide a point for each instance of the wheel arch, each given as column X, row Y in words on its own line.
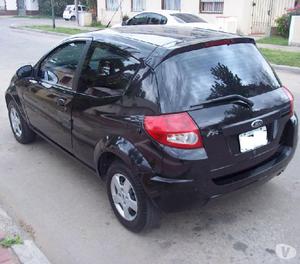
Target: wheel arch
column 119, row 148
column 14, row 97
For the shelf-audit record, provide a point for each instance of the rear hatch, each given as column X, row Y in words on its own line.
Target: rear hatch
column 233, row 96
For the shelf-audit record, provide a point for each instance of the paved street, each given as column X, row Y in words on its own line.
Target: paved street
column 64, row 206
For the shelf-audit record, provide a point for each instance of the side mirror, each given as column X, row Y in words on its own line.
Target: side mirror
column 25, row 71
column 124, row 23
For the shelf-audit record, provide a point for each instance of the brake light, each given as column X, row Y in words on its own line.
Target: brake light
column 291, row 97
column 174, row 130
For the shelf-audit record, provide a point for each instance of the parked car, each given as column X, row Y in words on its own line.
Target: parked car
column 167, row 116
column 70, row 11
column 171, row 18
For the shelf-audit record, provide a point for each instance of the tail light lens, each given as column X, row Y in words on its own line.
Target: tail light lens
column 291, row 97
column 175, row 130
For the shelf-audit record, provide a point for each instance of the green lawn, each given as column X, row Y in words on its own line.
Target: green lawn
column 275, row 40
column 97, row 24
column 65, row 30
column 282, row 57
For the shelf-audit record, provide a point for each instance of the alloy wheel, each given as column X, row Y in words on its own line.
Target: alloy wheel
column 124, row 197
column 16, row 122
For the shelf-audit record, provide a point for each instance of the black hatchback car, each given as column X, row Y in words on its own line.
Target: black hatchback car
column 166, row 116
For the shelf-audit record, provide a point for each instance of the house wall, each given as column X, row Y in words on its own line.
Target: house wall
column 11, row 5
column 294, row 39
column 32, row 6
column 241, row 10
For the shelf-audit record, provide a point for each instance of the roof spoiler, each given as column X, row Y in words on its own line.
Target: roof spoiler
column 208, row 44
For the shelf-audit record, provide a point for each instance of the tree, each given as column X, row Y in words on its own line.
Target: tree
column 59, row 6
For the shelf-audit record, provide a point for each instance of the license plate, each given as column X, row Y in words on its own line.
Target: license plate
column 253, row 139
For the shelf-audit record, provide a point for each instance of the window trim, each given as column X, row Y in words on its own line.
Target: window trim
column 123, row 53
column 77, row 71
column 212, row 12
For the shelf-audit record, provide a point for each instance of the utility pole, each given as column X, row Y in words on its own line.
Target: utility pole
column 76, row 10
column 53, row 14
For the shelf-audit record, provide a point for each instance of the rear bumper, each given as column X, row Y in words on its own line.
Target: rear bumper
column 177, row 194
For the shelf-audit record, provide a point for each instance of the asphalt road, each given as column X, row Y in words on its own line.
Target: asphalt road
column 64, row 206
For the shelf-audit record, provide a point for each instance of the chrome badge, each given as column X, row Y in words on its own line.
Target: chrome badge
column 257, row 123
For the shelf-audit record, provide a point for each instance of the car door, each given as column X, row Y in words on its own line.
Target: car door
column 48, row 96
column 156, row 19
column 105, row 76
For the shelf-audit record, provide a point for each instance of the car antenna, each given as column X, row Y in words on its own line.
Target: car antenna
column 121, row 1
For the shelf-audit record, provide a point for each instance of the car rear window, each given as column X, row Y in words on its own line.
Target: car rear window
column 188, row 18
column 193, row 77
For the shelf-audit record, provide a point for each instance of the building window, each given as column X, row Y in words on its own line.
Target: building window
column 112, row 5
column 211, row 6
column 171, row 4
column 138, row 5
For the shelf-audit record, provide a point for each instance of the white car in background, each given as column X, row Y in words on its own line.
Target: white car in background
column 165, row 17
column 70, row 11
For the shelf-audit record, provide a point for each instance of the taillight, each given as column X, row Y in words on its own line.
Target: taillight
column 291, row 97
column 174, row 130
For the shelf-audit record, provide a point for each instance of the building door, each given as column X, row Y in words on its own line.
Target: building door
column 261, row 16
column 21, row 7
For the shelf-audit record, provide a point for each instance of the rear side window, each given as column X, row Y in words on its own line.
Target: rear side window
column 107, row 71
column 188, row 18
column 193, row 77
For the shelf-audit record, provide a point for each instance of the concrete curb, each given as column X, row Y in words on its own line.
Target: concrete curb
column 286, row 68
column 29, row 253
column 26, row 253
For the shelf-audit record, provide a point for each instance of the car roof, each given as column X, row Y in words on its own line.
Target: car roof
column 161, row 12
column 155, row 40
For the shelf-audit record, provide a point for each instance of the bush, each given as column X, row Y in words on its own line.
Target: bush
column 283, row 25
column 125, row 18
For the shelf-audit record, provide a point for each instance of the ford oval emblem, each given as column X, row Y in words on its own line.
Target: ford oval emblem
column 257, row 123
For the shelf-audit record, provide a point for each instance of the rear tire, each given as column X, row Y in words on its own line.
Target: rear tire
column 140, row 213
column 19, row 126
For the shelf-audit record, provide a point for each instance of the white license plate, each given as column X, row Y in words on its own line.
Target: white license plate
column 253, row 139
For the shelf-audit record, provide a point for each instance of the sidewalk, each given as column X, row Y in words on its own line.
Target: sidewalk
column 25, row 253
column 277, row 47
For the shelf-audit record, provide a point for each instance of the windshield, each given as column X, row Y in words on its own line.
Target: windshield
column 193, row 77
column 188, row 18
column 69, row 7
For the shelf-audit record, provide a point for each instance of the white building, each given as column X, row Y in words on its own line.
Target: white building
column 252, row 16
column 22, row 7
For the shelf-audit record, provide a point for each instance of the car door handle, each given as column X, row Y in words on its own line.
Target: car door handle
column 61, row 101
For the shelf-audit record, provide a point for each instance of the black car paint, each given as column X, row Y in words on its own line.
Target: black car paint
column 98, row 130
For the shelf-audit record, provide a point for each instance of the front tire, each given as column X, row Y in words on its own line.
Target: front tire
column 128, row 199
column 19, row 126
column 73, row 18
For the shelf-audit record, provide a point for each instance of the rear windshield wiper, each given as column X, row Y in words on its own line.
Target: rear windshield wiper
column 234, row 99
